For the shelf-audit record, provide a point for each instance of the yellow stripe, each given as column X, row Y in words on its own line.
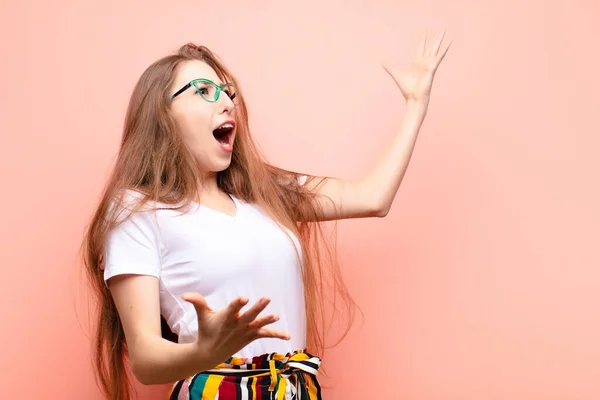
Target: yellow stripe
column 312, row 388
column 212, row 387
column 253, row 388
column 273, row 375
column 299, row 357
column 281, row 390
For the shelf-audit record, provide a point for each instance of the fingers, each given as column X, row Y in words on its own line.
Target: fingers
column 256, row 325
column 233, row 309
column 248, row 326
column 262, row 321
column 436, row 47
column 195, row 298
column 201, row 306
column 434, row 50
column 199, row 303
column 272, row 333
column 442, row 54
column 251, row 314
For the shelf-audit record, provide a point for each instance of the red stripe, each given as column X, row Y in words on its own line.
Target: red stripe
column 227, row 388
column 259, row 388
column 265, row 381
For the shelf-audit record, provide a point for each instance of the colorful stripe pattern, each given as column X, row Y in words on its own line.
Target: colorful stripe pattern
column 267, row 377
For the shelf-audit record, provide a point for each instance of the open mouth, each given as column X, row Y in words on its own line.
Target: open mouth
column 224, row 134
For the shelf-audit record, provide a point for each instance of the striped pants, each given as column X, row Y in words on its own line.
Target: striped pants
column 267, row 377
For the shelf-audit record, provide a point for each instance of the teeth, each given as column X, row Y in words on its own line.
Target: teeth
column 226, row 126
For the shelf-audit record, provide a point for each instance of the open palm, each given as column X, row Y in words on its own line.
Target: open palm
column 415, row 82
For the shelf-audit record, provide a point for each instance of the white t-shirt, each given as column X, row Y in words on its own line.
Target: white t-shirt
column 219, row 256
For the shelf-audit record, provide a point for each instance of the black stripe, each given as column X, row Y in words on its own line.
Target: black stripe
column 316, row 382
column 177, row 389
column 238, row 387
column 241, row 372
column 265, row 382
column 249, row 386
column 308, row 363
column 302, row 389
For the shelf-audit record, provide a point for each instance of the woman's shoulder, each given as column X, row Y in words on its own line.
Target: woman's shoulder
column 133, row 200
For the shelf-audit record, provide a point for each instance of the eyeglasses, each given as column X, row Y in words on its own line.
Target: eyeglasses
column 209, row 90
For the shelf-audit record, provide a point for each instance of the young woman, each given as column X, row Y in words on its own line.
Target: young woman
column 195, row 227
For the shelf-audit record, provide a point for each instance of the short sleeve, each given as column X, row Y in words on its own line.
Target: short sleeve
column 133, row 247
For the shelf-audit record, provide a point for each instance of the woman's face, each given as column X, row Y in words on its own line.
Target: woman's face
column 207, row 125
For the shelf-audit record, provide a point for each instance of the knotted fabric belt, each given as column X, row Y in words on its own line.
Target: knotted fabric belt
column 270, row 376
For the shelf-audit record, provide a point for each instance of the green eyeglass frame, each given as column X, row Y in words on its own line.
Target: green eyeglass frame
column 226, row 87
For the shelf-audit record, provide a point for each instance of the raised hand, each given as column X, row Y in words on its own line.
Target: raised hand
column 223, row 333
column 415, row 82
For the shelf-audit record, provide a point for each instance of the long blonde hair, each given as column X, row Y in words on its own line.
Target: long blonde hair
column 154, row 161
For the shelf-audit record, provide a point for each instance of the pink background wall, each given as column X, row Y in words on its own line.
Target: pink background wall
column 482, row 283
